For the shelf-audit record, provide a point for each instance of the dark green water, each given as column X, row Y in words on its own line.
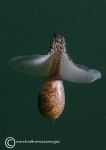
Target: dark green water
column 25, row 28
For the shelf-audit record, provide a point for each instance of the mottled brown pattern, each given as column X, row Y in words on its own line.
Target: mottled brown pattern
column 57, row 45
column 52, row 99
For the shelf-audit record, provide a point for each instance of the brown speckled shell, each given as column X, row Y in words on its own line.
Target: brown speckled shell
column 52, row 99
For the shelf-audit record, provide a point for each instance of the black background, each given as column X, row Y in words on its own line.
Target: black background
column 25, row 28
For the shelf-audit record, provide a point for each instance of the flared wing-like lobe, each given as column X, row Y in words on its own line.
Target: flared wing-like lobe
column 77, row 73
column 32, row 64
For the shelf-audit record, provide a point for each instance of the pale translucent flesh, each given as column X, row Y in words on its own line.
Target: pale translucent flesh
column 41, row 64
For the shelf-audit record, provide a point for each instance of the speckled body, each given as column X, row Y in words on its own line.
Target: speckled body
column 52, row 96
column 52, row 99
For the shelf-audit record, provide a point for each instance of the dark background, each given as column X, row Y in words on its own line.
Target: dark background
column 25, row 28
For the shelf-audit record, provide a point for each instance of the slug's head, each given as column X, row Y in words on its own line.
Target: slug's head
column 57, row 38
column 57, row 43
